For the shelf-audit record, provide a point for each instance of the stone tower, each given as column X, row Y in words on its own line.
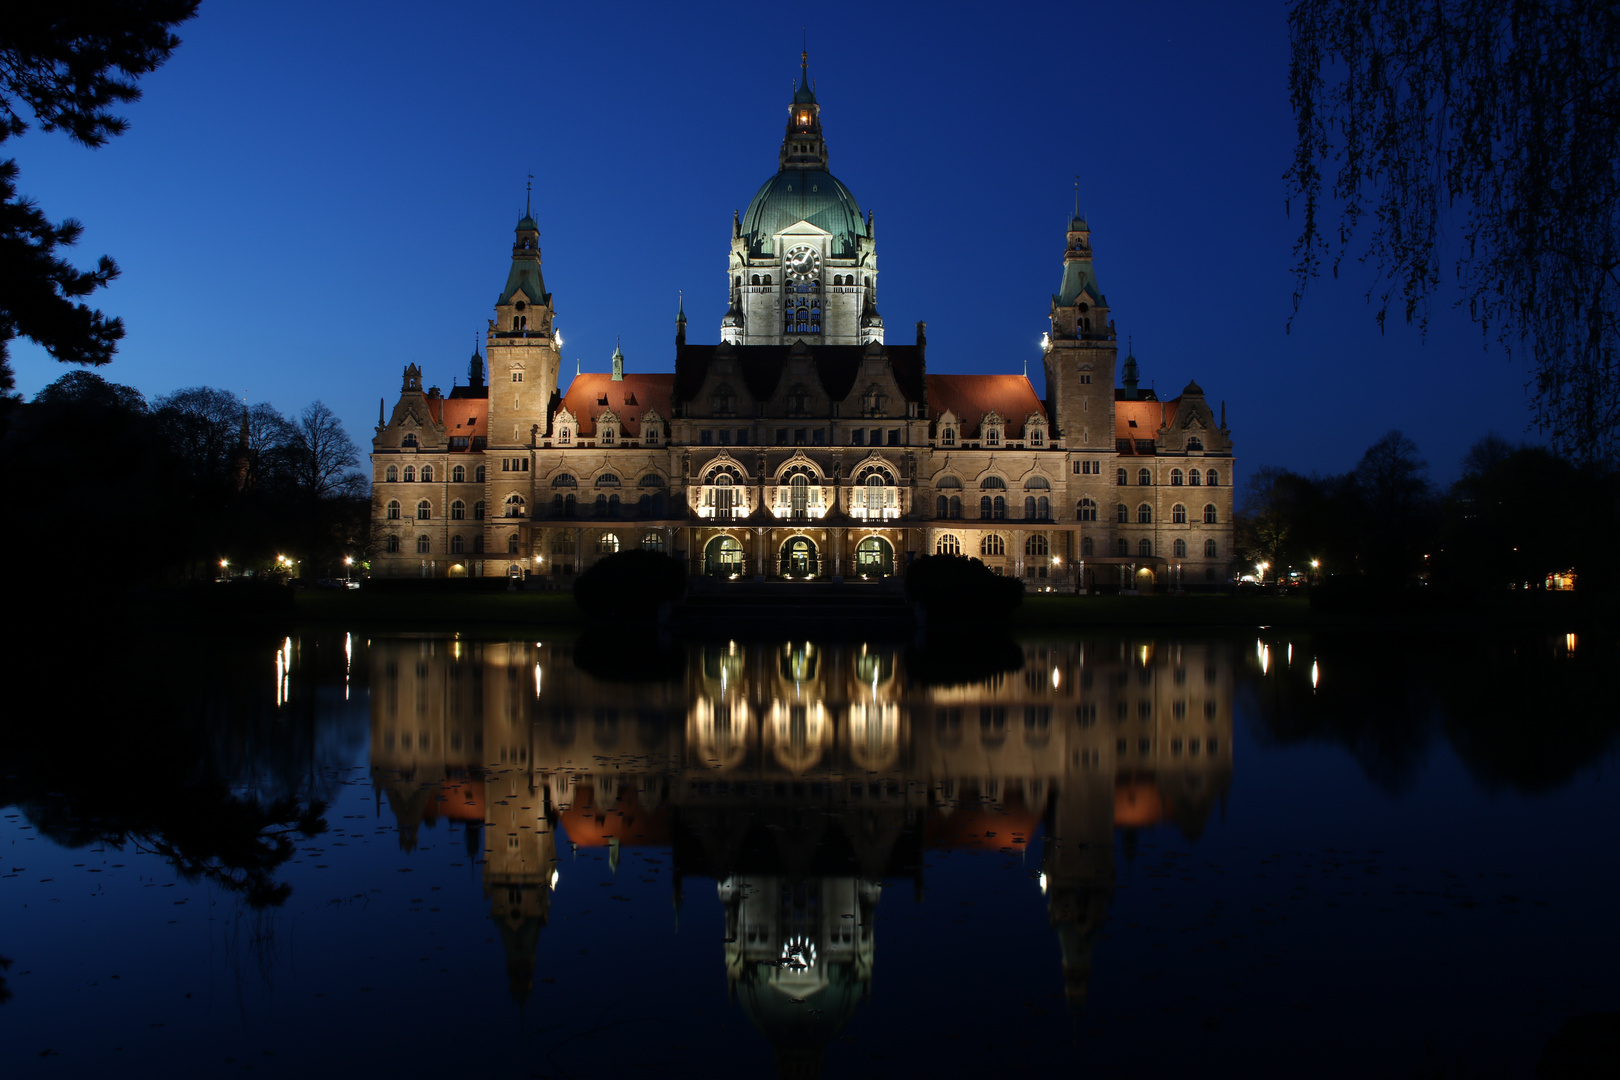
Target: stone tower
column 803, row 263
column 1081, row 352
column 522, row 348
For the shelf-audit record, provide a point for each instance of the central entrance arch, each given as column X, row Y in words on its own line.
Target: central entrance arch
column 722, row 557
column 800, row 557
column 874, row 557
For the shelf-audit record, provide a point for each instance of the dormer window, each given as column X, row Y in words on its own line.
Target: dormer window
column 947, row 435
column 565, row 435
column 650, row 435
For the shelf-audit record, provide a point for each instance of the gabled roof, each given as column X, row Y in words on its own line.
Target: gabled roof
column 762, row 367
column 629, row 398
column 972, row 397
column 463, row 417
column 1148, row 416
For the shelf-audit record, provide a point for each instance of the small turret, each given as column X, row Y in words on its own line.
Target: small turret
column 618, row 363
column 475, row 369
column 680, row 322
column 1131, row 377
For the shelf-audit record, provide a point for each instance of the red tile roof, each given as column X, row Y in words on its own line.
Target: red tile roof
column 1148, row 416
column 629, row 398
column 463, row 418
column 970, row 397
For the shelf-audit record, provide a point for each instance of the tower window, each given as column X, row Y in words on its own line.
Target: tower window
column 517, row 376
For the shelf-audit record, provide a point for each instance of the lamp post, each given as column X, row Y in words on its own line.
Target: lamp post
column 348, row 563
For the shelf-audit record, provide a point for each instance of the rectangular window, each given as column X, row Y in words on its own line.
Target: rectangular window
column 1085, row 377
column 877, row 436
column 857, row 437
column 725, row 436
column 706, row 437
column 798, row 436
column 1076, row 466
column 517, row 376
column 820, row 435
column 742, row 437
column 894, row 436
column 781, row 436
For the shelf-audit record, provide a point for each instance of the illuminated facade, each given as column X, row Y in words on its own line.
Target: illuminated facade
column 727, row 765
column 804, row 444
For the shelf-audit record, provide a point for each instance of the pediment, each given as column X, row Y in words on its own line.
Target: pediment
column 803, row 228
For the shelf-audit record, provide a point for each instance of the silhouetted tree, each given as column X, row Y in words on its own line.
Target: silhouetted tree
column 322, row 457
column 66, row 65
column 1506, row 112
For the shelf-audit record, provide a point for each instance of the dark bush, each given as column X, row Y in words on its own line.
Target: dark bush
column 957, row 587
column 630, row 585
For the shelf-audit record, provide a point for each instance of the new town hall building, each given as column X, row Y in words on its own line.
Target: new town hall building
column 804, row 444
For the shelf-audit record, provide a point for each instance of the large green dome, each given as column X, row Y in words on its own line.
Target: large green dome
column 795, row 195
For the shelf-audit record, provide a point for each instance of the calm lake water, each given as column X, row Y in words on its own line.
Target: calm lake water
column 1253, row 854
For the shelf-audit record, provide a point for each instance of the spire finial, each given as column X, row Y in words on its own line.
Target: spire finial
column 528, row 197
column 680, row 302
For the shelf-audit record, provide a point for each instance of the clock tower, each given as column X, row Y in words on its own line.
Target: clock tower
column 803, row 263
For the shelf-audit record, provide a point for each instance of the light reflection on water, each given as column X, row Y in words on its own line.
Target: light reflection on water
column 1088, row 842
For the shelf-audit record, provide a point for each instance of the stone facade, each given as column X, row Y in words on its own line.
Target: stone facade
column 803, row 445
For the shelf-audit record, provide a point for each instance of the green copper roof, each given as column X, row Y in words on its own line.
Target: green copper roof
column 1078, row 281
column 528, row 223
column 795, row 195
column 525, row 275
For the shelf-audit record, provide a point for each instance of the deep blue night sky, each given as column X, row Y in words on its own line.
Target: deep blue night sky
column 313, row 195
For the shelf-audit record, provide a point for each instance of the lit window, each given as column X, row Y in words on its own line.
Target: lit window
column 948, row 545
column 992, row 545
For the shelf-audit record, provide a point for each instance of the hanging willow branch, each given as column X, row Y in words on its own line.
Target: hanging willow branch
column 1503, row 116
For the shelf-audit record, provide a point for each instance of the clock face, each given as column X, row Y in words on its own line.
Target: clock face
column 802, row 263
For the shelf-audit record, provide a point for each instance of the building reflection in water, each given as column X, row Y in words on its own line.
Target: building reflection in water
column 800, row 777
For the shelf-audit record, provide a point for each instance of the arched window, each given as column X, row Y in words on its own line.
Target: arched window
column 391, row 475
column 478, row 544
column 992, row 545
column 478, row 475
column 514, row 506
column 874, row 495
column 1209, row 513
column 1037, row 483
column 1043, row 509
column 409, row 440
column 754, row 280
column 1037, row 546
column 607, row 544
column 1119, row 478
column 1210, row 549
column 1175, row 477
column 393, row 510
column 562, row 542
column 948, row 545
column 1144, row 547
column 512, row 544
column 1180, row 548
column 393, row 545
column 410, row 474
column 1087, row 547
column 1212, row 478
column 1193, row 478
column 1087, row 511
column 1195, row 443
column 458, row 510
column 607, row 480
column 1144, row 477
column 992, row 483
column 458, row 475
column 1029, row 508
column 955, row 513
column 942, row 507
column 564, row 480
column 457, row 544
column 652, row 542
column 1124, row 513
column 984, row 506
column 478, row 510
column 1144, row 514
column 424, row 510
column 998, row 509
column 427, row 474
column 423, row 545
column 1178, row 514
column 651, row 480
column 1124, row 547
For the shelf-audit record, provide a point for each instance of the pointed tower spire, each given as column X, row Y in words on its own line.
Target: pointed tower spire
column 475, row 366
column 618, row 362
column 680, row 319
column 802, row 146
